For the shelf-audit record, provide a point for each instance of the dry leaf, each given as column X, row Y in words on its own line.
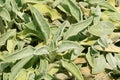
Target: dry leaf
column 85, row 71
column 80, row 60
column 102, row 76
column 110, row 48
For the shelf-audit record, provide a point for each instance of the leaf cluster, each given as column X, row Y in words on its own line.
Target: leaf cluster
column 59, row 39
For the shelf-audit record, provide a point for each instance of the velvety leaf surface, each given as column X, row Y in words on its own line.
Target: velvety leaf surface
column 59, row 39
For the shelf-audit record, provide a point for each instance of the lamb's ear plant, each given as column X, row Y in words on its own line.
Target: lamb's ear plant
column 59, row 40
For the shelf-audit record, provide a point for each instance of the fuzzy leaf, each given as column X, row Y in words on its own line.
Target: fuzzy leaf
column 75, row 11
column 16, row 68
column 46, row 10
column 66, row 45
column 40, row 22
column 59, row 32
column 5, row 14
column 101, row 29
column 25, row 52
column 102, row 3
column 6, row 36
column 99, row 64
column 72, row 68
column 41, row 51
column 77, row 27
column 111, row 60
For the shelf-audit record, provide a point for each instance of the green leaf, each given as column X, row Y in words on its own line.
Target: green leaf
column 7, row 5
column 117, row 56
column 41, row 51
column 88, row 42
column 77, row 27
column 40, row 22
column 25, row 74
column 116, row 71
column 75, row 10
column 3, row 65
column 102, row 3
column 56, row 3
column 1, row 2
column 20, row 44
column 72, row 68
column 43, row 67
column 31, row 74
column 101, row 29
column 15, row 9
column 16, row 68
column 103, row 41
column 111, row 60
column 2, row 29
column 99, row 64
column 29, row 32
column 52, row 46
column 5, row 14
column 30, row 25
column 53, row 68
column 11, row 43
column 5, row 76
column 114, row 16
column 76, row 53
column 46, row 10
column 96, row 12
column 69, row 45
column 21, row 75
column 30, row 1
column 14, row 6
column 66, row 45
column 25, row 52
column 89, row 58
column 59, row 32
column 64, row 7
column 7, row 35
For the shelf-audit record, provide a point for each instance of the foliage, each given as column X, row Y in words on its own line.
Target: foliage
column 59, row 39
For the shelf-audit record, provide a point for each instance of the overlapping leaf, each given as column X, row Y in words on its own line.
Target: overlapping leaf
column 28, row 51
column 76, row 28
column 102, row 3
column 16, row 68
column 101, row 28
column 46, row 10
column 40, row 22
column 72, row 68
column 6, row 36
column 59, row 39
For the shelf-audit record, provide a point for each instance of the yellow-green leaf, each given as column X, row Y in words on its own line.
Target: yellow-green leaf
column 112, row 2
column 46, row 10
column 11, row 43
column 22, row 75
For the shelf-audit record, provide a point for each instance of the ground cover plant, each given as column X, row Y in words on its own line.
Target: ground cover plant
column 59, row 40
